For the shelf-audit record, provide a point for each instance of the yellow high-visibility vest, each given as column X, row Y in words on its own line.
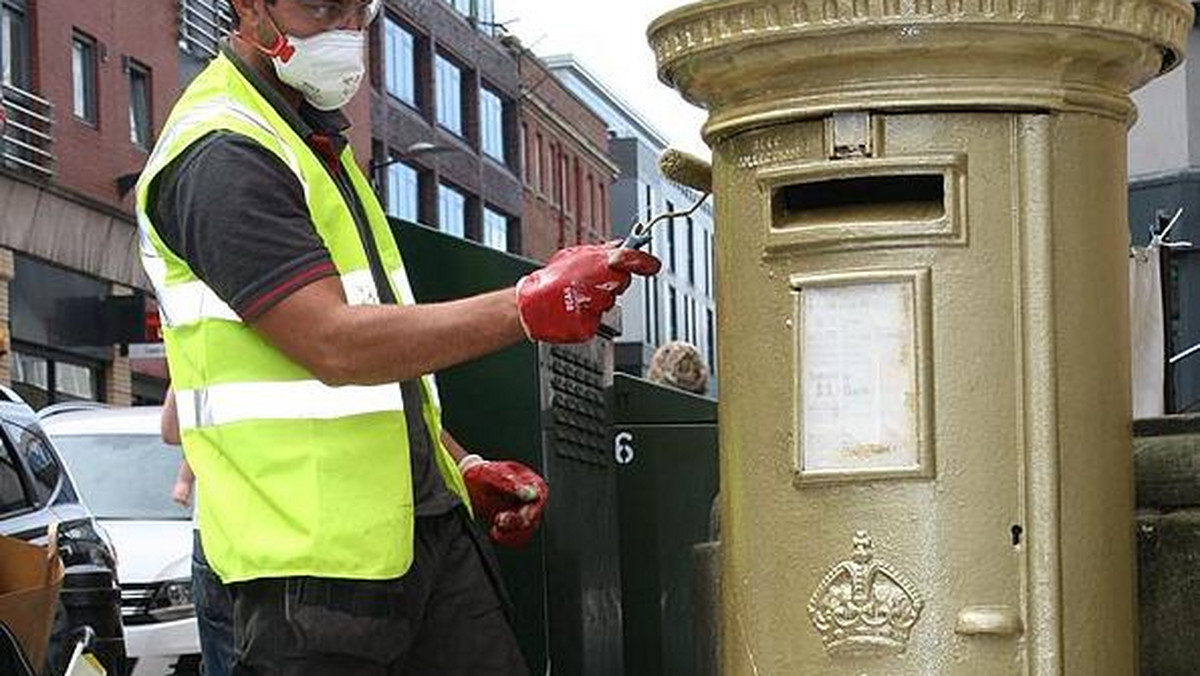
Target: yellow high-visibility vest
column 298, row 477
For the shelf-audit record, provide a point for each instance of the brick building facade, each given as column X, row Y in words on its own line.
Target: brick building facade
column 85, row 85
column 443, row 122
column 566, row 170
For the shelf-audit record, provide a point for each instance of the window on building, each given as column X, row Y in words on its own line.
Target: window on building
column 707, row 262
column 463, row 6
column 602, row 209
column 83, row 78
column 42, row 381
column 486, row 16
column 452, row 211
column 670, row 241
column 403, row 194
column 577, row 182
column 586, row 211
column 495, row 229
column 547, row 169
column 647, row 308
column 712, row 341
column 564, row 177
column 140, row 123
column 673, row 313
column 687, row 318
column 449, row 95
column 655, row 308
column 73, row 382
column 400, row 62
column 491, row 124
column 693, row 321
column 522, row 144
column 690, row 233
column 15, row 68
column 536, row 168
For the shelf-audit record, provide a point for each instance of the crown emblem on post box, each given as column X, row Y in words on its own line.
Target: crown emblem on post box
column 864, row 605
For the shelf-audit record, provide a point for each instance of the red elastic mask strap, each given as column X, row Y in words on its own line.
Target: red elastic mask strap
column 281, row 48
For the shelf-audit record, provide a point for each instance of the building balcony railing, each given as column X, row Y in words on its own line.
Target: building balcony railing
column 202, row 24
column 28, row 140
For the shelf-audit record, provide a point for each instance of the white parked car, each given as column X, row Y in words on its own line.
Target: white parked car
column 124, row 473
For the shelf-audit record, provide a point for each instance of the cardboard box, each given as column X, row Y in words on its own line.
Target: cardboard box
column 30, row 577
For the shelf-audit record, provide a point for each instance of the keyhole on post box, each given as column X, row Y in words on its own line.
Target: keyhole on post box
column 1017, row 532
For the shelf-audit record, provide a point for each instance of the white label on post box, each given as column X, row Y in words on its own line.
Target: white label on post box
column 859, row 379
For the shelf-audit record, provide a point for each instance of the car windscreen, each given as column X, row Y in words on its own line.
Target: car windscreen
column 122, row 476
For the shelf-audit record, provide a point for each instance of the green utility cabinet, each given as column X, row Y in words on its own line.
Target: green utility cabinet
column 665, row 447
column 544, row 406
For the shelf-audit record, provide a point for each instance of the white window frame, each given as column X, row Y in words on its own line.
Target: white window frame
column 403, row 191
column 491, row 124
column 452, row 211
column 400, row 56
column 495, row 229
column 449, row 94
column 84, row 74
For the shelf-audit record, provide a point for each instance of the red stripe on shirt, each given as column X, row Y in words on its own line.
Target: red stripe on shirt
column 289, row 286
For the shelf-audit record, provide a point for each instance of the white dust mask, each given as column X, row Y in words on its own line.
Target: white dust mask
column 326, row 68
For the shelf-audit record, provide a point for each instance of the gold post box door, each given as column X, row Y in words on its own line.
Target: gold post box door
column 883, row 324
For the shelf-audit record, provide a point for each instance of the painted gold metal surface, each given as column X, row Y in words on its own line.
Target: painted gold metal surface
column 755, row 61
column 865, row 606
column 976, row 149
column 989, row 621
column 898, row 219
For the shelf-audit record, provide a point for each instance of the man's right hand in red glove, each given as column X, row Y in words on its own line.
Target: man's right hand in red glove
column 563, row 302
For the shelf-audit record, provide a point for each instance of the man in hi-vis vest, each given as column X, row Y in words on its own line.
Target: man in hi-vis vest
column 332, row 501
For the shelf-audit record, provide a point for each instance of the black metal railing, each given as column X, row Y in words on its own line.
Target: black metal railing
column 28, row 140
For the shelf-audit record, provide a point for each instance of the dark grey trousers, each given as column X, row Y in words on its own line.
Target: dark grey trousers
column 445, row 617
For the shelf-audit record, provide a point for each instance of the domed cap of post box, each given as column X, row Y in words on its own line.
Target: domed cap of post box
column 758, row 62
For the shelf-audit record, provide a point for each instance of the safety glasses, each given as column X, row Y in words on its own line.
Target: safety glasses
column 331, row 13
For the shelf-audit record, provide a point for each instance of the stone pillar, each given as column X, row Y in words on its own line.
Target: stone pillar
column 922, row 259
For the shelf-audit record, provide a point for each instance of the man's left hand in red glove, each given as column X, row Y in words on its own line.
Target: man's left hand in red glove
column 506, row 495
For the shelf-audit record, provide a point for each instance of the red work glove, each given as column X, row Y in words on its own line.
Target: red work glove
column 507, row 496
column 563, row 302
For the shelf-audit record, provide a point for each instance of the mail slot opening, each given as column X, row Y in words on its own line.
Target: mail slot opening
column 861, row 200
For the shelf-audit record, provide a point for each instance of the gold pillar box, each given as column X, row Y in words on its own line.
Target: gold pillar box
column 922, row 251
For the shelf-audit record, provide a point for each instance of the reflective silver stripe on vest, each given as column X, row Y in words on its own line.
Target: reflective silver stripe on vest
column 291, row 400
column 191, row 302
column 183, row 304
column 360, row 288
